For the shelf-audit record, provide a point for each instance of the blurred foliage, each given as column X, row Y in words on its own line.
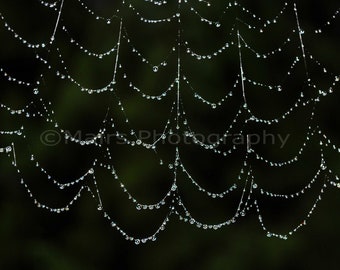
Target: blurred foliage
column 32, row 238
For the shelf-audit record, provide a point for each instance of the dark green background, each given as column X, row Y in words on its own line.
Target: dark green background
column 31, row 238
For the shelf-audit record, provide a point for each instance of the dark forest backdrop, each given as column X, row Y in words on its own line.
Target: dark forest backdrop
column 32, row 238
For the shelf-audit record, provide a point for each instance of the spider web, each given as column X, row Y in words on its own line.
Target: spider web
column 193, row 70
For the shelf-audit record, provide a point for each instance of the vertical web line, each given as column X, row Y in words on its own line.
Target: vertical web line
column 14, row 155
column 57, row 22
column 301, row 40
column 118, row 51
column 178, row 63
column 241, row 69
